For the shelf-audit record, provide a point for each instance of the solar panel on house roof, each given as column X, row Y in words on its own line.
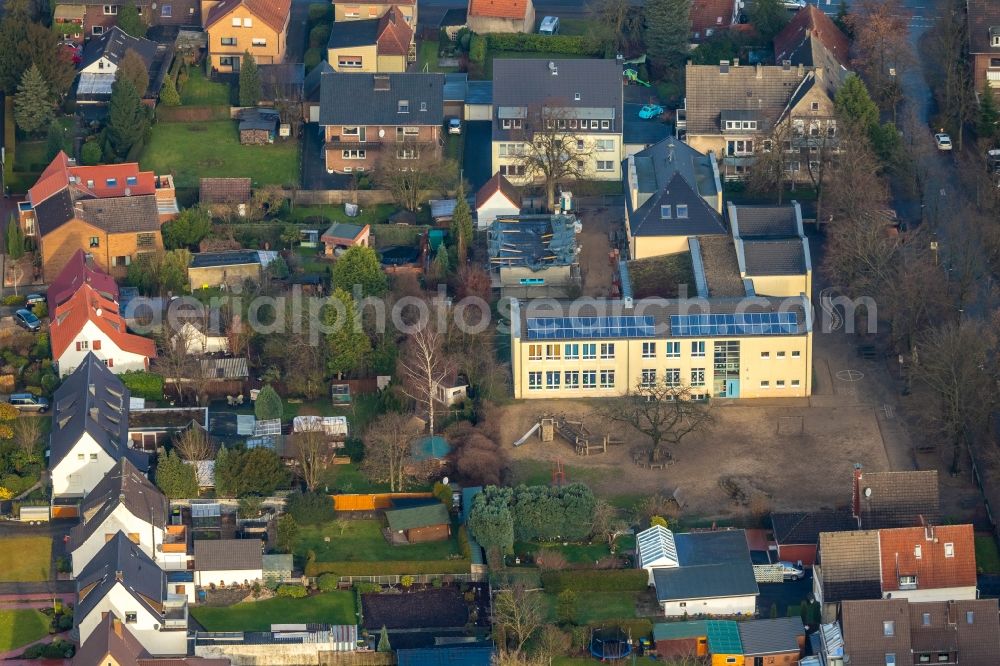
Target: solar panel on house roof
column 582, row 328
column 748, row 323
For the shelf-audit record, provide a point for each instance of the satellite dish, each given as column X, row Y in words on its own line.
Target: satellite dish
column 868, row 492
column 445, row 480
column 381, row 133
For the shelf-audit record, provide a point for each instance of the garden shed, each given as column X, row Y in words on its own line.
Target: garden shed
column 419, row 524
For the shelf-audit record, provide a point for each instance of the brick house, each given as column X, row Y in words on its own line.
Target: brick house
column 384, row 44
column 365, row 115
column 359, row 10
column 501, row 16
column 97, row 16
column 711, row 16
column 236, row 26
column 984, row 43
column 111, row 212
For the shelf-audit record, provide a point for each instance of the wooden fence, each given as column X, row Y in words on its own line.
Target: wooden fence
column 420, row 579
column 337, row 197
column 365, row 658
column 373, row 501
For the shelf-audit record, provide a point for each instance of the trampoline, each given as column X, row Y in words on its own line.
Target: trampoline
column 429, row 448
column 399, row 255
column 610, row 643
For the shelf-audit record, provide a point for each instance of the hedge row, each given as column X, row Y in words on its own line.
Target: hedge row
column 142, row 384
column 619, row 580
column 399, row 568
column 191, row 114
column 563, row 44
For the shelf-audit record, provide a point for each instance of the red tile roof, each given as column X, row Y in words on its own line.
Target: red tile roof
column 811, row 21
column 394, row 33
column 272, row 12
column 513, row 9
column 87, row 304
column 933, row 569
column 76, row 272
column 59, row 173
column 714, row 14
column 497, row 184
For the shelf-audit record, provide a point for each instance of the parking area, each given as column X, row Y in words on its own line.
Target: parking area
column 783, row 595
column 314, row 175
column 477, row 166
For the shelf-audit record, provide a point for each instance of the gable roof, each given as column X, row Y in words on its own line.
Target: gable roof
column 984, row 15
column 771, row 636
column 850, row 565
column 272, row 12
column 113, row 45
column 711, row 547
column 896, row 499
column 224, row 190
column 120, row 561
column 701, row 220
column 809, row 32
column 228, row 554
column 346, row 34
column 803, row 528
column 123, row 485
column 343, row 231
column 87, row 304
column 765, row 221
column 933, row 568
column 704, row 581
column 498, row 183
column 79, row 270
column 394, row 34
column 654, row 544
column 121, row 214
column 711, row 15
column 416, row 517
column 110, row 638
column 865, row 639
column 512, row 9
column 92, row 400
column 373, row 99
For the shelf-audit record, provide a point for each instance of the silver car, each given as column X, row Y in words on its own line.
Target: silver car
column 790, row 571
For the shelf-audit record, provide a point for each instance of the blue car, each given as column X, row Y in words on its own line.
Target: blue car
column 650, row 111
column 27, row 319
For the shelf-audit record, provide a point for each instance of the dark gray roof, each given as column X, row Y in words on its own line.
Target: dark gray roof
column 713, row 547
column 281, row 80
column 373, row 99
column 92, row 400
column 899, row 499
column 122, row 214
column 454, row 86
column 635, row 130
column 721, row 267
column 850, row 565
column 343, row 230
column 446, row 656
column 701, row 220
column 479, row 92
column 311, row 85
column 124, row 485
column 705, row 581
column 113, row 45
column 228, row 554
column 54, row 211
column 984, row 19
column 801, row 528
column 771, row 636
column 346, row 34
column 233, row 258
column 764, row 221
column 120, row 560
column 774, row 257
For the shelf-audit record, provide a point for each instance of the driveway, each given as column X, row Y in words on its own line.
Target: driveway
column 783, row 595
column 477, row 167
column 295, row 42
column 314, row 175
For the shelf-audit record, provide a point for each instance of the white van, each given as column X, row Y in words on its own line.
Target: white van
column 549, row 26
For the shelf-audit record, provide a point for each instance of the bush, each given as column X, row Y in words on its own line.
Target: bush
column 367, row 588
column 621, row 580
column 40, row 310
column 397, row 568
column 90, row 153
column 354, row 447
column 293, row 591
column 463, row 542
column 318, row 36
column 65, row 622
column 143, row 384
column 442, row 491
column 14, row 301
column 562, row 44
column 327, row 582
column 310, row 508
column 312, row 58
column 268, row 404
column 477, row 49
column 319, row 11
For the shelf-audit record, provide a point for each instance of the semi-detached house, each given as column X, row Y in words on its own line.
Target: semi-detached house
column 237, row 26
column 96, row 17
column 359, row 10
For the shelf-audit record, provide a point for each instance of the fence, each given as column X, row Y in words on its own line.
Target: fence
column 424, row 579
column 366, row 658
column 373, row 501
column 191, row 114
column 768, row 573
column 337, row 197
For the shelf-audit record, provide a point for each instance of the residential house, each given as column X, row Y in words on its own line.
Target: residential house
column 772, row 641
column 772, row 250
column 419, row 524
column 97, row 17
column 80, row 270
column 224, row 195
column 339, row 237
column 638, row 133
column 673, row 193
column 100, row 60
column 112, row 643
column 89, row 430
column 224, row 269
column 812, row 39
column 737, row 111
column 123, row 501
column 681, row 639
column 366, row 115
column 895, row 499
column 360, row 10
column 112, row 212
column 699, row 573
column 122, row 579
column 496, row 197
column 709, row 17
column 796, row 534
column 236, row 26
column 984, row 44
column 486, row 16
column 228, row 562
column 901, row 631
column 383, row 44
column 538, row 98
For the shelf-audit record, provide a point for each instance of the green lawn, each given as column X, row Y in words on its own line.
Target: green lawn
column 25, row 559
column 575, row 553
column 454, row 145
column 597, row 606
column 987, row 555
column 427, row 57
column 199, row 91
column 325, row 608
column 206, row 149
column 30, row 156
column 363, row 542
column 571, row 27
column 375, row 214
column 349, row 479
column 20, row 627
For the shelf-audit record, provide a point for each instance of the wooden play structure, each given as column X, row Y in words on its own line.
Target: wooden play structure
column 575, row 432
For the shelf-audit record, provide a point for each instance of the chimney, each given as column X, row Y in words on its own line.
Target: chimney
column 723, row 67
column 818, row 73
column 736, row 62
column 116, row 625
column 786, row 65
column 801, row 70
column 94, row 413
column 856, row 499
column 121, row 498
column 760, row 71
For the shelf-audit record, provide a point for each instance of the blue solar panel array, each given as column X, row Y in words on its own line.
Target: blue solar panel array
column 748, row 323
column 583, row 328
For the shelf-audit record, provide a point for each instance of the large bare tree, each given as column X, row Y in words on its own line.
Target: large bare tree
column 662, row 411
column 193, row 444
column 423, row 366
column 312, row 453
column 519, row 613
column 387, row 449
column 882, row 47
column 411, row 170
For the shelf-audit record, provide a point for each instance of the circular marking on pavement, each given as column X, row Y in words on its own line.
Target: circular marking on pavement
column 850, row 375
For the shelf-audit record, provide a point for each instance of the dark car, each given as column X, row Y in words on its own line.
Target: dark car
column 26, row 319
column 33, row 299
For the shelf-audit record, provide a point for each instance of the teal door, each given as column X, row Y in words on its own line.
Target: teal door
column 732, row 388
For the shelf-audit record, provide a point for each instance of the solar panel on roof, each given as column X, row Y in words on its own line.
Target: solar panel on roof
column 582, row 328
column 747, row 323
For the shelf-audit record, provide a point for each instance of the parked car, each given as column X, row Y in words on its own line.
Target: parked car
column 33, row 300
column 454, row 126
column 26, row 319
column 793, row 4
column 993, row 160
column 29, row 402
column 943, row 141
column 549, row 26
column 790, row 571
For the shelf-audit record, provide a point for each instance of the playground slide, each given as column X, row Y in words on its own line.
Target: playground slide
column 528, row 434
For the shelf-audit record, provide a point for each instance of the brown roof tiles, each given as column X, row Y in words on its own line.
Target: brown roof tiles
column 935, row 568
column 272, row 12
column 394, row 33
column 513, row 9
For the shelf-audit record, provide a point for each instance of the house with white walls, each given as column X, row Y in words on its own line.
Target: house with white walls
column 497, row 197
column 228, row 561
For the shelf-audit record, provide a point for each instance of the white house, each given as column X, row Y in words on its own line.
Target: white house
column 89, row 322
column 100, row 59
column 655, row 548
column 89, row 430
column 124, row 501
column 228, row 561
column 197, row 341
column 123, row 580
column 496, row 197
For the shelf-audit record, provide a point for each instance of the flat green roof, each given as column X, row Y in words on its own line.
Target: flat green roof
column 665, row 631
column 417, row 516
column 723, row 637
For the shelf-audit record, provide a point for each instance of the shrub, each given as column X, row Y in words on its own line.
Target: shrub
column 65, row 622
column 268, row 404
column 8, row 412
column 312, row 58
column 620, row 580
column 442, row 491
column 318, row 36
column 318, row 11
column 143, row 384
column 328, row 582
column 436, row 583
column 40, row 310
column 477, row 49
column 463, row 542
column 396, row 568
column 406, row 581
column 90, row 153
column 562, row 44
column 367, row 588
column 354, row 447
column 293, row 591
column 14, row 301
column 566, row 607
column 310, row 508
column 549, row 559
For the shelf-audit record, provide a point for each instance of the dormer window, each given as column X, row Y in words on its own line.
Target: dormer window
column 949, row 550
column 682, row 211
column 995, row 37
column 423, row 106
column 666, row 212
column 131, row 180
column 907, row 582
column 403, row 106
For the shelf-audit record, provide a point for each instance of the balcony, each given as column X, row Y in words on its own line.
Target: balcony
column 175, row 613
column 165, row 182
column 175, row 539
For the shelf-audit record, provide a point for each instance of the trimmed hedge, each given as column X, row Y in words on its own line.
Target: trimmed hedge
column 292, row 591
column 398, row 568
column 142, row 384
column 563, row 44
column 620, row 580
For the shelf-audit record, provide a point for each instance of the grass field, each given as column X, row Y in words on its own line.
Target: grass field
column 20, row 627
column 199, row 91
column 25, row 559
column 374, row 214
column 987, row 555
column 427, row 57
column 212, row 149
column 325, row 608
column 597, row 606
column 362, row 541
column 576, row 553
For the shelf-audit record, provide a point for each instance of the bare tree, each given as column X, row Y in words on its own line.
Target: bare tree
column 193, row 444
column 772, row 158
column 387, row 449
column 954, row 89
column 27, row 432
column 552, row 149
column 411, row 170
column 176, row 365
column 607, row 523
column 424, row 366
column 312, row 453
column 662, row 411
column 616, row 23
column 552, row 642
column 519, row 613
column 881, row 42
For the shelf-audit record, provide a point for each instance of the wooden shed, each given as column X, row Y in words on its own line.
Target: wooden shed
column 681, row 639
column 419, row 524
